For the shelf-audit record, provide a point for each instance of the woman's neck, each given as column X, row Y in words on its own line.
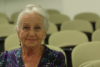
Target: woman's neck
column 32, row 51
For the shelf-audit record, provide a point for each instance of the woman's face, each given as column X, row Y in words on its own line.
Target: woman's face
column 32, row 30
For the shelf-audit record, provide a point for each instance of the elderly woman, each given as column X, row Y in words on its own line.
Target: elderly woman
column 32, row 26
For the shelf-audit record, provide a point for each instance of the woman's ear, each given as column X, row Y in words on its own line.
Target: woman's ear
column 17, row 32
column 45, row 33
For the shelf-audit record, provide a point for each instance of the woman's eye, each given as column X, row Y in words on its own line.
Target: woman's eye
column 37, row 28
column 26, row 27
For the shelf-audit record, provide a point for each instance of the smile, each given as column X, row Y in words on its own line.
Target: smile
column 31, row 40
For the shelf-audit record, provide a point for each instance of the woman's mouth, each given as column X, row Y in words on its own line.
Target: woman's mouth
column 31, row 40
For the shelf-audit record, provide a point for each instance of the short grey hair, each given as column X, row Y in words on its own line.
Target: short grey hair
column 39, row 10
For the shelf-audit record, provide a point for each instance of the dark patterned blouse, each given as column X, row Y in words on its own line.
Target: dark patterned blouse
column 50, row 58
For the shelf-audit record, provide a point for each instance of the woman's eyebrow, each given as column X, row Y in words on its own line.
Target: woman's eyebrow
column 38, row 25
column 26, row 23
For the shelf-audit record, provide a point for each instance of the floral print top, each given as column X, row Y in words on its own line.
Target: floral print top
column 50, row 58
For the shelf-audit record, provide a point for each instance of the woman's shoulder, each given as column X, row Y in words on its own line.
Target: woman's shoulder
column 8, row 56
column 54, row 53
column 54, row 58
column 9, row 53
column 12, row 52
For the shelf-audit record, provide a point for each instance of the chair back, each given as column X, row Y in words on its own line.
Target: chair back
column 11, row 42
column 94, row 63
column 80, row 25
column 85, row 52
column 3, row 20
column 52, row 11
column 14, row 16
column 3, row 15
column 97, row 25
column 6, row 30
column 91, row 17
column 58, row 18
column 52, row 29
column 96, row 35
column 69, row 36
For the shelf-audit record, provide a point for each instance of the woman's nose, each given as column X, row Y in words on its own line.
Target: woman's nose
column 32, row 33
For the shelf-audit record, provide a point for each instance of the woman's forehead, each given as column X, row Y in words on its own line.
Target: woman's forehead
column 32, row 17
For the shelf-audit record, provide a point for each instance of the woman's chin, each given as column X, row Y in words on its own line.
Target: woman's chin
column 31, row 45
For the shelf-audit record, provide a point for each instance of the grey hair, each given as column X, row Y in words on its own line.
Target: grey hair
column 39, row 10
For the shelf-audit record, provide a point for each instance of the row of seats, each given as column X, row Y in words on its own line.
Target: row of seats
column 58, row 19
column 82, row 53
column 92, row 17
column 89, row 16
column 14, row 15
column 71, row 24
column 7, row 29
column 80, row 25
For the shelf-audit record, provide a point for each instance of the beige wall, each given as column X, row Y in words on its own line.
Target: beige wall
column 11, row 6
column 73, row 7
column 68, row 7
column 2, row 8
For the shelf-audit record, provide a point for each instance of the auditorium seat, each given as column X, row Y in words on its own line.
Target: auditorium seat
column 52, row 29
column 52, row 11
column 80, row 25
column 96, row 35
column 68, row 37
column 11, row 41
column 89, row 16
column 6, row 29
column 93, row 63
column 85, row 52
column 3, row 15
column 58, row 19
column 3, row 20
column 14, row 16
column 97, row 25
